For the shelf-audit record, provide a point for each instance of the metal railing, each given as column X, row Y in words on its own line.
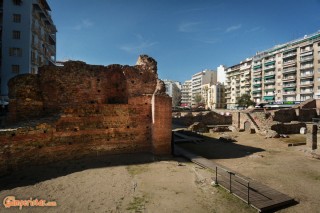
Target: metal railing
column 230, row 178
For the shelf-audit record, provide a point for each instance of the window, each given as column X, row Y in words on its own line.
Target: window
column 16, row 34
column 16, row 18
column 17, row 2
column 15, row 51
column 15, row 69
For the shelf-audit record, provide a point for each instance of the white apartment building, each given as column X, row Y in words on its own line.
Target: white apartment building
column 28, row 38
column 173, row 89
column 198, row 80
column 186, row 94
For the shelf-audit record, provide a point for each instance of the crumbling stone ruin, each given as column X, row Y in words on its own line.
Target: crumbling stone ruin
column 81, row 110
column 274, row 122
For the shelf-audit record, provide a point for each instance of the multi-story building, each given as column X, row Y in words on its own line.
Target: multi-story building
column 198, row 80
column 288, row 72
column 173, row 89
column 28, row 38
column 215, row 97
column 238, row 82
column 186, row 94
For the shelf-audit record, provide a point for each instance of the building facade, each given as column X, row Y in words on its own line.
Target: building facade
column 198, row 80
column 173, row 89
column 28, row 37
column 289, row 72
column 186, row 94
column 238, row 82
column 285, row 74
column 215, row 97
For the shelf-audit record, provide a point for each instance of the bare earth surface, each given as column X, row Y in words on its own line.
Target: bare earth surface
column 140, row 183
column 289, row 170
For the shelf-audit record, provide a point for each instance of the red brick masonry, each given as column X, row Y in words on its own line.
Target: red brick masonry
column 81, row 109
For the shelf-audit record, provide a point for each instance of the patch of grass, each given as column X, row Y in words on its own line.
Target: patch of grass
column 138, row 204
column 137, row 169
column 294, row 139
column 234, row 200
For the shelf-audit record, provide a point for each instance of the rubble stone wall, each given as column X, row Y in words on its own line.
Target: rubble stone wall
column 207, row 118
column 79, row 110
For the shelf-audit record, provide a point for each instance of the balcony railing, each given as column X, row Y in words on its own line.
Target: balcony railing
column 269, row 73
column 270, row 67
column 289, row 93
column 306, row 91
column 289, row 78
column 289, row 55
column 269, row 81
column 289, row 85
column 304, row 75
column 290, row 69
column 305, row 59
column 289, row 62
column 256, row 95
column 306, row 50
column 307, row 66
column 306, row 83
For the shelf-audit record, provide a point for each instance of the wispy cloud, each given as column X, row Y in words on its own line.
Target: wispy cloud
column 188, row 27
column 140, row 45
column 255, row 29
column 84, row 24
column 233, row 28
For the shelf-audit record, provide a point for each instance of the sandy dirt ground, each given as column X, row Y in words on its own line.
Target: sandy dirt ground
column 122, row 183
column 289, row 170
column 143, row 183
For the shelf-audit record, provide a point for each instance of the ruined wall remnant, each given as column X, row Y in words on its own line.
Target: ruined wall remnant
column 82, row 109
column 207, row 118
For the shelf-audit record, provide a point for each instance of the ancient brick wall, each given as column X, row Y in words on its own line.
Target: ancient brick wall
column 79, row 110
column 208, row 118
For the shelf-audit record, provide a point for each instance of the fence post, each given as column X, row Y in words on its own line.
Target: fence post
column 248, row 193
column 230, row 182
column 216, row 175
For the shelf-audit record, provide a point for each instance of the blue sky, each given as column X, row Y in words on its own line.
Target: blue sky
column 184, row 36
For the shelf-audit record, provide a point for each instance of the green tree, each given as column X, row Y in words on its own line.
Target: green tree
column 245, row 101
column 197, row 98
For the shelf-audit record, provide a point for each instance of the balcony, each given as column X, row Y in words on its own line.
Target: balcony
column 307, row 49
column 289, row 54
column 289, row 70
column 306, row 59
column 289, row 78
column 306, row 91
column 269, row 87
column 269, row 81
column 306, row 83
column 257, row 67
column 272, row 67
column 289, row 85
column 268, row 97
column 288, row 93
column 256, row 95
column 270, row 61
column 257, row 83
column 269, row 74
column 306, row 75
column 290, row 62
column 306, row 66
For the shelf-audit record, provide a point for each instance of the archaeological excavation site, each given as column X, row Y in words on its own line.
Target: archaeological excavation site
column 79, row 110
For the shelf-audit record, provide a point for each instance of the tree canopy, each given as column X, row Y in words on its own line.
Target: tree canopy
column 245, row 101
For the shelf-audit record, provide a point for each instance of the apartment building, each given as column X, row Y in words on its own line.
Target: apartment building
column 28, row 38
column 198, row 80
column 173, row 89
column 186, row 94
column 215, row 96
column 289, row 72
column 238, row 82
column 284, row 74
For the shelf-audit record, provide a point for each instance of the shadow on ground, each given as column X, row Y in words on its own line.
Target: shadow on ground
column 213, row 148
column 36, row 174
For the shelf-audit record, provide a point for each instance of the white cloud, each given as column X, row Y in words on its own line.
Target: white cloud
column 188, row 27
column 83, row 25
column 233, row 28
column 139, row 46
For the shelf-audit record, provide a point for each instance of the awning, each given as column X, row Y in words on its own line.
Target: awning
column 270, row 63
column 257, row 67
column 269, row 76
column 270, row 89
column 289, row 89
column 268, row 98
column 257, row 78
